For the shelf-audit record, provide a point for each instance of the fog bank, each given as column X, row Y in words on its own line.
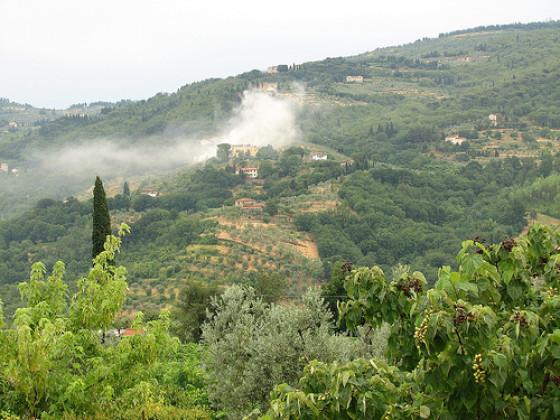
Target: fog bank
column 262, row 118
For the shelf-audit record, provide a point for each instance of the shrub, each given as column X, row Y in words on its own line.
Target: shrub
column 254, row 345
column 483, row 343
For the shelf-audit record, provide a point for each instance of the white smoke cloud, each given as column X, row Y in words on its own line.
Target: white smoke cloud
column 109, row 158
column 261, row 119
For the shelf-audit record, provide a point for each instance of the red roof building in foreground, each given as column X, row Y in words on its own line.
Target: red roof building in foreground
column 130, row 331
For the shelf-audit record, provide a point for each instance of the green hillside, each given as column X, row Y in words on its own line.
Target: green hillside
column 443, row 85
column 414, row 185
column 408, row 196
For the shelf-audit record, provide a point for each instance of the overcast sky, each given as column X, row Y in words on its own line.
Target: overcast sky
column 55, row 53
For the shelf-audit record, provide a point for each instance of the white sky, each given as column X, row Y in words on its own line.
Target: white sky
column 55, row 53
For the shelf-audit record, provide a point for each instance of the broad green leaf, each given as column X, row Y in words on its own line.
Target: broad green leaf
column 498, row 378
column 514, row 291
column 542, row 342
column 500, row 360
column 469, row 397
column 555, row 350
column 468, row 286
column 556, row 408
column 443, row 278
column 353, row 318
column 471, row 263
column 529, row 386
column 424, row 412
column 455, row 278
column 507, row 275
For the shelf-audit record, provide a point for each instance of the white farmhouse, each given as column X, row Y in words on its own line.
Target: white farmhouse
column 250, row 172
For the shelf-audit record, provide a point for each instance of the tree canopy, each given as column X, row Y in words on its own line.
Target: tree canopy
column 483, row 343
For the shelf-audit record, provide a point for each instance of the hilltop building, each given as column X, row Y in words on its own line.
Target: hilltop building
column 455, row 139
column 241, row 150
column 242, row 202
column 250, row 172
column 130, row 331
column 152, row 192
column 355, row 79
column 249, row 205
column 347, row 162
column 313, row 156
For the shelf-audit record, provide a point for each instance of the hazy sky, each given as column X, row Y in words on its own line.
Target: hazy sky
column 54, row 53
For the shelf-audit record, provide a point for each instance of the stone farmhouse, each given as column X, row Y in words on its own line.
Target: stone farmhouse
column 241, row 150
column 313, row 156
column 249, row 205
column 152, row 192
column 355, row 79
column 455, row 139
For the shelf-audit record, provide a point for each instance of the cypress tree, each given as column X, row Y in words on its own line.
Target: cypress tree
column 101, row 219
column 126, row 189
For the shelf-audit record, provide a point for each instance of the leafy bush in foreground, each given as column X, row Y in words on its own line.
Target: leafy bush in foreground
column 58, row 363
column 252, row 345
column 483, row 343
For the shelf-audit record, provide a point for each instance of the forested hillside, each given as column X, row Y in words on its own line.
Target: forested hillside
column 244, row 194
column 411, row 95
column 394, row 190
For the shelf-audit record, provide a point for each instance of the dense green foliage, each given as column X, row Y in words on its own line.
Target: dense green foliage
column 50, row 232
column 483, row 343
column 430, row 202
column 57, row 362
column 416, row 216
column 269, row 286
column 191, row 310
column 255, row 345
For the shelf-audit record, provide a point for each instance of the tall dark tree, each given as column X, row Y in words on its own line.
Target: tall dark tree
column 126, row 189
column 101, row 219
column 334, row 290
column 224, row 150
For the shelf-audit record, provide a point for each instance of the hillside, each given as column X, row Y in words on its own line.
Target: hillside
column 15, row 116
column 451, row 83
column 392, row 190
